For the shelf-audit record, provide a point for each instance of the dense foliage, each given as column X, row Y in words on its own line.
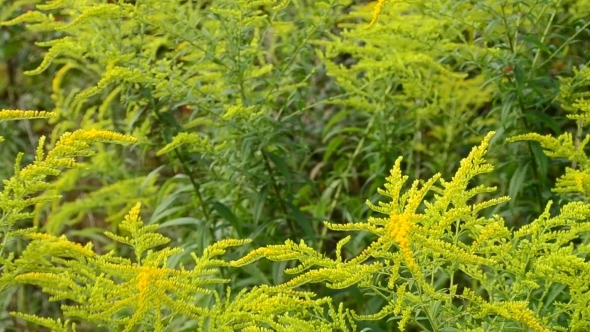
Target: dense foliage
column 178, row 132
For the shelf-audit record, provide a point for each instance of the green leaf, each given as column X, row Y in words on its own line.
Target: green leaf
column 517, row 182
column 550, row 122
column 259, row 203
column 179, row 222
column 303, row 222
column 281, row 165
column 541, row 161
column 93, row 233
column 228, row 215
column 556, row 290
column 333, row 121
column 531, row 39
column 332, row 147
column 163, row 210
column 278, row 272
column 258, row 276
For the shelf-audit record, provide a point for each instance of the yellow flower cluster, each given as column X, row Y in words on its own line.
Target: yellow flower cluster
column 398, row 228
column 519, row 311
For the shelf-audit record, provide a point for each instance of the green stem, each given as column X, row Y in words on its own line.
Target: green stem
column 521, row 104
column 186, row 168
column 565, row 44
column 275, row 188
column 357, row 150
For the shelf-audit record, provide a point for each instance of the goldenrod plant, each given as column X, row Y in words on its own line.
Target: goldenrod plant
column 32, row 185
column 28, row 185
column 227, row 75
column 243, row 78
column 154, row 293
column 123, row 294
column 440, row 74
column 517, row 279
column 523, row 279
column 251, row 122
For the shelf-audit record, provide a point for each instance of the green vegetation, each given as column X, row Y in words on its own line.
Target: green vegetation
column 329, row 165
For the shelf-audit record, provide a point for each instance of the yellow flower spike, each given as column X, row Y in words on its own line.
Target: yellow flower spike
column 376, row 13
column 281, row 5
column 58, row 47
column 28, row 17
column 519, row 311
column 101, row 11
column 6, row 115
column 58, row 78
column 104, row 136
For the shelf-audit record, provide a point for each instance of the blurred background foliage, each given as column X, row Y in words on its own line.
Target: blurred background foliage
column 261, row 119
